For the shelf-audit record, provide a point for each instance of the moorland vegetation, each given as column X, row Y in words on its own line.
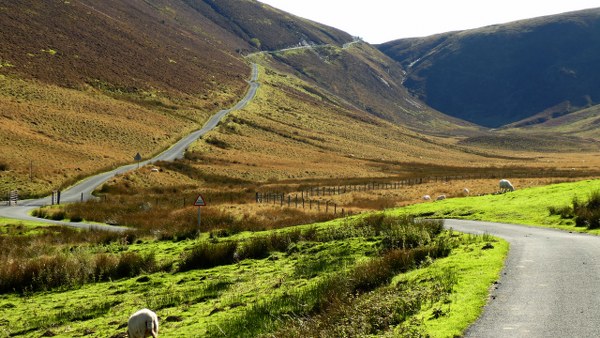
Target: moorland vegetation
column 75, row 103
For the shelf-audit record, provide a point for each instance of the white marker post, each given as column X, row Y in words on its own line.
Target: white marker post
column 199, row 203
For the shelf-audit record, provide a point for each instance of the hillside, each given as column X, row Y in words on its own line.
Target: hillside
column 87, row 85
column 84, row 86
column 365, row 79
column 502, row 74
column 584, row 123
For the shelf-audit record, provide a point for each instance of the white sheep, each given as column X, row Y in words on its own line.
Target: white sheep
column 142, row 324
column 466, row 192
column 505, row 186
column 441, row 197
column 427, row 198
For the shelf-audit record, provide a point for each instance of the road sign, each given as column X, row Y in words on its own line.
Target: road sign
column 200, row 201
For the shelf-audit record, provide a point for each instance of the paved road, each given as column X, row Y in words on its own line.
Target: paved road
column 550, row 286
column 83, row 190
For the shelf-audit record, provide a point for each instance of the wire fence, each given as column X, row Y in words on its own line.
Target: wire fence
column 312, row 196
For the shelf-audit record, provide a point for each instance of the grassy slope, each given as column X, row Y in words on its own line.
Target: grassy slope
column 475, row 270
column 189, row 303
column 582, row 123
column 528, row 206
column 292, row 131
column 368, row 79
column 81, row 131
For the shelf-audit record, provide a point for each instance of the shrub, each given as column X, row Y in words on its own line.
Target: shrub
column 3, row 166
column 76, row 218
column 588, row 213
column 132, row 264
column 207, row 255
column 70, row 270
column 258, row 247
column 564, row 212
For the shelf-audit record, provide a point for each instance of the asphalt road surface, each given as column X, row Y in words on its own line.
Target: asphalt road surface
column 550, row 286
column 83, row 190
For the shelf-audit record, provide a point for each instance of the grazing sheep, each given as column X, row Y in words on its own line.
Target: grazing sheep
column 441, row 197
column 505, row 186
column 466, row 192
column 427, row 198
column 142, row 324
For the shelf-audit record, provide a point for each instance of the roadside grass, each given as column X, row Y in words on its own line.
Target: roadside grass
column 14, row 227
column 528, row 206
column 192, row 302
column 475, row 269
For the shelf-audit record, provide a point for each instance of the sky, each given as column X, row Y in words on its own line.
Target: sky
column 378, row 21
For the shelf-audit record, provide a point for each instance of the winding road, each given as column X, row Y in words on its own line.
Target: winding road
column 83, row 190
column 550, row 286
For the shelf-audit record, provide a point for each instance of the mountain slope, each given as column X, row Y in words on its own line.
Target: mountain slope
column 501, row 74
column 584, row 123
column 86, row 85
column 364, row 78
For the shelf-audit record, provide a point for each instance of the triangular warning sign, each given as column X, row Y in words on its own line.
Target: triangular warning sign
column 199, row 201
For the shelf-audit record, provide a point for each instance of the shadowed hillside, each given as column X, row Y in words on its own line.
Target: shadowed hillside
column 364, row 78
column 265, row 27
column 505, row 73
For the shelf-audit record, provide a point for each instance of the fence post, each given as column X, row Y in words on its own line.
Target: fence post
column 296, row 200
column 335, row 209
column 289, row 200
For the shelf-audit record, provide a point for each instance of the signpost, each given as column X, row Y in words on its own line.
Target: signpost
column 199, row 203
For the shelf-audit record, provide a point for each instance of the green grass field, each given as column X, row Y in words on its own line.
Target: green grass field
column 258, row 296
column 528, row 206
column 288, row 292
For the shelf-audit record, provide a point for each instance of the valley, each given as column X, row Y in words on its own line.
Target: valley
column 311, row 149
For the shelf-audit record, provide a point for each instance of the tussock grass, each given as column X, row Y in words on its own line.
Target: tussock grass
column 336, row 288
column 585, row 213
column 69, row 270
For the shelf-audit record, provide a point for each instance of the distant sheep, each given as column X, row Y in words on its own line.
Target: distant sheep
column 505, row 186
column 466, row 192
column 441, row 197
column 142, row 324
column 427, row 198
